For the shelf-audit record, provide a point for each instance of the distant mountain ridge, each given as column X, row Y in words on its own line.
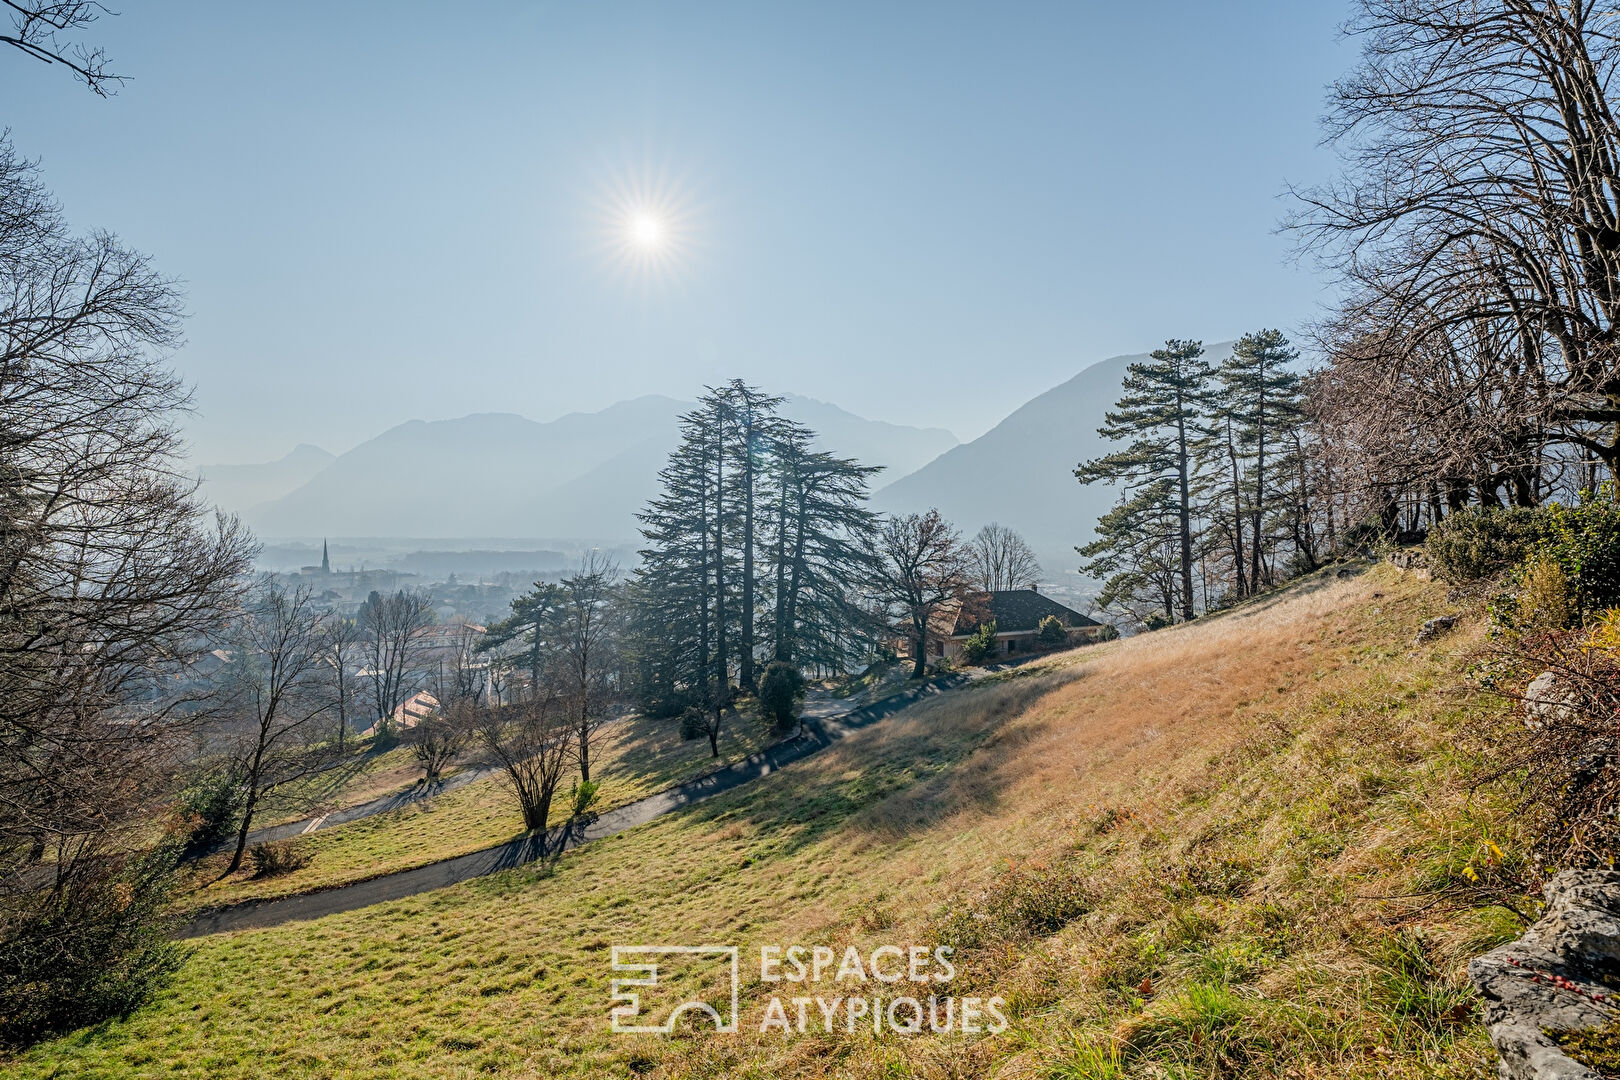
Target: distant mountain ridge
column 581, row 476
column 238, row 487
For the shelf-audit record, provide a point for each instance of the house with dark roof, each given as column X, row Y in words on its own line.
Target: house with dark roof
column 1018, row 614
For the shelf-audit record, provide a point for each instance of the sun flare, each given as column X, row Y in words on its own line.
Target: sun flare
column 647, row 226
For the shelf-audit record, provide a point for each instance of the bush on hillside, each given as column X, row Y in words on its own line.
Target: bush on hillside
column 583, row 797
column 981, row 646
column 274, row 858
column 779, row 690
column 96, row 946
column 694, row 723
column 210, row 807
column 1585, row 541
column 1568, row 568
column 1480, row 543
column 1052, row 632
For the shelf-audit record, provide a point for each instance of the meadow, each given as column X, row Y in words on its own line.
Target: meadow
column 1254, row 845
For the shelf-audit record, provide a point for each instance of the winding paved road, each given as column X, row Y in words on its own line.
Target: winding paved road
column 820, row 732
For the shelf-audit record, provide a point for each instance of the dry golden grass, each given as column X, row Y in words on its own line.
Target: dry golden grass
column 1165, row 853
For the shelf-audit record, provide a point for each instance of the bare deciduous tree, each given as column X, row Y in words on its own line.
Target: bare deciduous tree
column 276, row 692
column 459, row 689
column 41, row 28
column 1002, row 560
column 392, row 641
column 582, row 634
column 111, row 575
column 341, row 642
column 532, row 743
column 922, row 567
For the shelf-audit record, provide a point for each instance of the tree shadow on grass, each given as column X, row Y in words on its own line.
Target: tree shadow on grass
column 937, row 758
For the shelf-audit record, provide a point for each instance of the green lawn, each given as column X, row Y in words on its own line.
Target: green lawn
column 636, row 757
column 1166, row 859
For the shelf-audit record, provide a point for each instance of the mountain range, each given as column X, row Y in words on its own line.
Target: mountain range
column 583, row 476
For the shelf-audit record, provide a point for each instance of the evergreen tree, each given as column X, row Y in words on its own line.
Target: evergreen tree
column 531, row 612
column 1261, row 400
column 757, row 546
column 1161, row 413
column 822, row 554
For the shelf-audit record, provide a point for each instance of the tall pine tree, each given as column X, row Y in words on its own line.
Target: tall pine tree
column 1162, row 413
column 1260, row 397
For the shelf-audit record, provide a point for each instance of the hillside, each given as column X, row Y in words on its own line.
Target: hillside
column 1240, row 847
column 238, row 487
column 1021, row 472
column 583, row 476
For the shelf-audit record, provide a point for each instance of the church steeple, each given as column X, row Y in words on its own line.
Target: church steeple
column 326, row 562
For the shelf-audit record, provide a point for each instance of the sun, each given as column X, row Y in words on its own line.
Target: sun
column 647, row 230
column 646, row 227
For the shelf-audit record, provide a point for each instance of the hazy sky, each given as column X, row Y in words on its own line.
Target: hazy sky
column 925, row 213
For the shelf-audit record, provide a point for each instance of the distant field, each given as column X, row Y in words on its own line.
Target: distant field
column 1166, row 857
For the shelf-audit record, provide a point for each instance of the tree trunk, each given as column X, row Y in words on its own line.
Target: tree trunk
column 537, row 813
column 241, row 837
column 1259, row 507
column 745, row 636
column 1186, row 522
column 584, row 739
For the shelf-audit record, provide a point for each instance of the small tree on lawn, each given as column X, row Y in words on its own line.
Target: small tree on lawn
column 779, row 691
column 532, row 743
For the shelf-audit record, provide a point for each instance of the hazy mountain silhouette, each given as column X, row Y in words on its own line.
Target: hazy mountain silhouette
column 1021, row 472
column 240, row 486
column 584, row 475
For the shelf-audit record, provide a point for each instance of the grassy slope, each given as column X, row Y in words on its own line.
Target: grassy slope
column 635, row 758
column 1166, row 857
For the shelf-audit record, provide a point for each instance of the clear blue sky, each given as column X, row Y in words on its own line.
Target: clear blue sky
column 924, row 212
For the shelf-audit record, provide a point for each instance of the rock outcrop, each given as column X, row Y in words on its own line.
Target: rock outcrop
column 1554, row 978
column 1435, row 627
column 1547, row 701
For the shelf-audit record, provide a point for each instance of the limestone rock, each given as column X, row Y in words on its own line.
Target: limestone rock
column 1435, row 627
column 1547, row 703
column 1551, row 978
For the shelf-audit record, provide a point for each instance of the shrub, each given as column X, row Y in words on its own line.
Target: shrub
column 276, row 857
column 1480, row 543
column 210, row 805
column 1156, row 620
column 694, row 724
column 1052, row 632
column 1106, row 632
column 1544, row 599
column 97, row 947
column 583, row 796
column 1585, row 541
column 981, row 646
column 779, row 690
